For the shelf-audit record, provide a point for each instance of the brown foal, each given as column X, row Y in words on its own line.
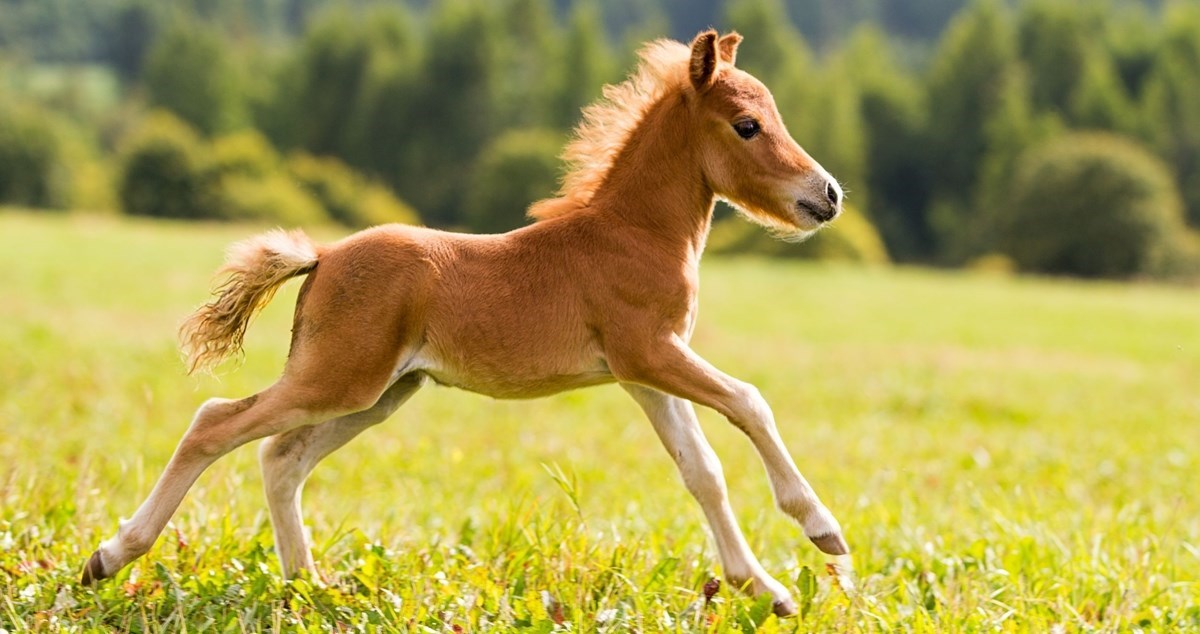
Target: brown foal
column 603, row 288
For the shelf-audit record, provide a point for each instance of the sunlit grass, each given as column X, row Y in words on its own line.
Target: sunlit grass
column 1004, row 454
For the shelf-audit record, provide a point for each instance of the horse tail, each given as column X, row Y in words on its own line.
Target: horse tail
column 254, row 269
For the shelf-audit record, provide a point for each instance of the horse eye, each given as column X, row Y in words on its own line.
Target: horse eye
column 747, row 128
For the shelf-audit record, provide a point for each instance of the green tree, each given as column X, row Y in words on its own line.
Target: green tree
column 976, row 60
column 1172, row 102
column 1071, row 71
column 586, row 65
column 529, row 46
column 190, row 72
column 456, row 111
column 1053, row 38
column 383, row 139
column 894, row 121
column 379, row 125
column 1011, row 130
column 1100, row 101
column 338, row 57
column 348, row 91
column 1131, row 38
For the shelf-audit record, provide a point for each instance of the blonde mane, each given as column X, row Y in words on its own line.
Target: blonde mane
column 608, row 122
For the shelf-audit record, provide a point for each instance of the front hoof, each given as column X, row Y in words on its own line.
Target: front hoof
column 93, row 570
column 831, row 544
column 785, row 607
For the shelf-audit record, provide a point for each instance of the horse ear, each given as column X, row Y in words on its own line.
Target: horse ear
column 727, row 46
column 703, row 67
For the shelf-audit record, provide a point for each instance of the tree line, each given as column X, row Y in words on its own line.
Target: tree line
column 1062, row 136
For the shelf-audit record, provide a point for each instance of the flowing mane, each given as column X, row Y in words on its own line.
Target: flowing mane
column 608, row 122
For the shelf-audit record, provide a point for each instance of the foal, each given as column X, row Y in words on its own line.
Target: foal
column 603, row 288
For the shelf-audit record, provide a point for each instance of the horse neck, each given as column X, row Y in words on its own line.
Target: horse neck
column 656, row 183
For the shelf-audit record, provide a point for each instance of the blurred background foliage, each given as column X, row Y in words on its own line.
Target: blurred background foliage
column 1052, row 136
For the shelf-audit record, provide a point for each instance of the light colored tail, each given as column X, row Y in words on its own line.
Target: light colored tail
column 254, row 269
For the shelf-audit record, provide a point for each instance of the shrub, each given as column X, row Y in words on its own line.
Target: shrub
column 514, row 171
column 377, row 205
column 92, row 185
column 168, row 171
column 164, row 172
column 347, row 196
column 274, row 199
column 31, row 167
column 1093, row 205
column 246, row 153
column 850, row 238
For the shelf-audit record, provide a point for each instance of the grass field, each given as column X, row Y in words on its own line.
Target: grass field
column 1004, row 455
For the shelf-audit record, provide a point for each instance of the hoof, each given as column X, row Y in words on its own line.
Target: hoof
column 831, row 544
column 93, row 570
column 784, row 608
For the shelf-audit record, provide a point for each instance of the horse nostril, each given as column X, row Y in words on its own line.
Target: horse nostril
column 833, row 193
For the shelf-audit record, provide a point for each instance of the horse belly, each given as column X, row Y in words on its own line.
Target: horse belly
column 520, row 387
column 517, row 383
column 511, row 374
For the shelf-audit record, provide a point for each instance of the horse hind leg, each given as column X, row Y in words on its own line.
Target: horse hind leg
column 336, row 367
column 219, row 426
column 287, row 459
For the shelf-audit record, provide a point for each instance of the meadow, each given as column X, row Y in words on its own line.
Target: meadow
column 1005, row 454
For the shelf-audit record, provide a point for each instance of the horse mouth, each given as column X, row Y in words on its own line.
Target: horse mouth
column 820, row 214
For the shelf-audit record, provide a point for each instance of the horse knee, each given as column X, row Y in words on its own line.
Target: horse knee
column 704, row 479
column 208, row 437
column 280, row 459
column 213, row 410
column 751, row 412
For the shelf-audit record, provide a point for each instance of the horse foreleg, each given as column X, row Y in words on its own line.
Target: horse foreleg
column 220, row 426
column 671, row 366
column 674, row 420
column 287, row 459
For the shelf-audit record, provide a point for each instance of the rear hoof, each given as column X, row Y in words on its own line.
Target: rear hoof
column 831, row 544
column 93, row 570
column 784, row 608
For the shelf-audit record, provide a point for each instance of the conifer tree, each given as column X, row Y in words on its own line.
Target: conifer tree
column 1172, row 103
column 586, row 64
column 455, row 112
column 190, row 72
column 894, row 120
column 975, row 62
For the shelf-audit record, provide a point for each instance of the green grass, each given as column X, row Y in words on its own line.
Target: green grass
column 1004, row 455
